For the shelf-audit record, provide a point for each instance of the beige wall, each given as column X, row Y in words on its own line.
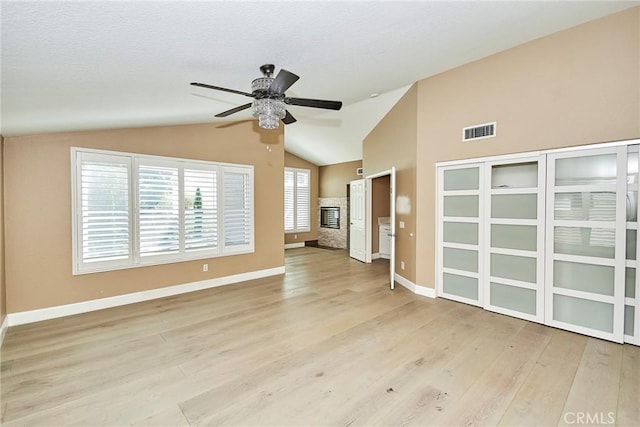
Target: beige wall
column 335, row 178
column 3, row 298
column 393, row 143
column 38, row 210
column 578, row 86
column 293, row 161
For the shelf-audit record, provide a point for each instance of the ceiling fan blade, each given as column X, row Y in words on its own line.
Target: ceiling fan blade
column 282, row 82
column 234, row 110
column 288, row 118
column 221, row 88
column 316, row 103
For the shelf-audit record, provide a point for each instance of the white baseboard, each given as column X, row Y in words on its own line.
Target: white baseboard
column 416, row 289
column 294, row 245
column 375, row 255
column 3, row 329
column 102, row 303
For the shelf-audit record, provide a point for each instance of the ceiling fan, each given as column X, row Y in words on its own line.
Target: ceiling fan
column 270, row 99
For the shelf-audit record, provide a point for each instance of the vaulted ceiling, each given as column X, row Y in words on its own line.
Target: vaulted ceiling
column 70, row 66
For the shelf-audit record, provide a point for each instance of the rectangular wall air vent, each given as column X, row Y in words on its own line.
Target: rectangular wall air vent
column 471, row 133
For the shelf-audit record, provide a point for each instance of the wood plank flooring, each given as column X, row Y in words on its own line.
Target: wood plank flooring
column 327, row 344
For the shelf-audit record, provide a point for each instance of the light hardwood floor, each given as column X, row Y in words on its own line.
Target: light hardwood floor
column 326, row 344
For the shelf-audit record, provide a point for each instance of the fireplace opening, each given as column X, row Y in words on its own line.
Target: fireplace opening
column 330, row 217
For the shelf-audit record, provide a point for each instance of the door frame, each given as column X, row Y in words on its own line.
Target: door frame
column 368, row 220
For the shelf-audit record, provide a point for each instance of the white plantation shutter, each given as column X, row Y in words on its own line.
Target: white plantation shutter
column 131, row 210
column 238, row 208
column 289, row 200
column 102, row 209
column 302, row 200
column 201, row 209
column 297, row 197
column 158, row 210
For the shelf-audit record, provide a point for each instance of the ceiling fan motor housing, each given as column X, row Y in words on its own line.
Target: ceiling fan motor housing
column 267, row 70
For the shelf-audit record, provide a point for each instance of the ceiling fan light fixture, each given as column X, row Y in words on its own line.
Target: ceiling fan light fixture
column 268, row 110
column 268, row 92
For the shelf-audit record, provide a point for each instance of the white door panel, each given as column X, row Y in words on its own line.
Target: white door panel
column 357, row 234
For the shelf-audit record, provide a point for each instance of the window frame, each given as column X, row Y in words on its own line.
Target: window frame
column 134, row 258
column 295, row 228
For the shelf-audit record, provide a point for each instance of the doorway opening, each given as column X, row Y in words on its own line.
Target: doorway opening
column 372, row 209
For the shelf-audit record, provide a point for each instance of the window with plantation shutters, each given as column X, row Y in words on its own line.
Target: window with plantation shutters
column 200, row 210
column 158, row 210
column 131, row 210
column 103, row 209
column 238, row 208
column 297, row 198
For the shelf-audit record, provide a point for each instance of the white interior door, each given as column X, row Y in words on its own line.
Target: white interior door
column 460, row 235
column 357, row 221
column 586, row 241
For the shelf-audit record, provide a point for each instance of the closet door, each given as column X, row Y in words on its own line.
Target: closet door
column 586, row 241
column 460, row 233
column 632, row 278
column 514, row 230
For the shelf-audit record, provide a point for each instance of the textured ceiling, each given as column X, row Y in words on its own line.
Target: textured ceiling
column 96, row 65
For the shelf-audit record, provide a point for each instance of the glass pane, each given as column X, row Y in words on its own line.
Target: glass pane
column 630, row 283
column 289, row 200
column 461, row 259
column 582, row 312
column 513, row 298
column 632, row 206
column 598, row 279
column 586, row 170
column 104, row 204
column 600, row 206
column 513, row 267
column 238, row 216
column 461, row 232
column 462, row 179
column 629, row 317
column 522, row 237
column 515, row 175
column 517, row 206
column 159, row 210
column 466, row 287
column 466, row 206
column 200, row 209
column 631, row 244
column 595, row 242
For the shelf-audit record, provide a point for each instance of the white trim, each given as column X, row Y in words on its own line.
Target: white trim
column 3, row 329
column 294, row 245
column 376, row 256
column 591, row 146
column 537, row 153
column 501, row 157
column 416, row 289
column 118, row 300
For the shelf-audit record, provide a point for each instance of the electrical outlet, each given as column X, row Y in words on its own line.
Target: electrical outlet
column 401, row 265
column 401, row 224
column 295, row 236
column 205, row 267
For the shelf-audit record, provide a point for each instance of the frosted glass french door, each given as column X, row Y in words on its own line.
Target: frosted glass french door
column 460, row 233
column 586, row 229
column 514, row 245
column 632, row 277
